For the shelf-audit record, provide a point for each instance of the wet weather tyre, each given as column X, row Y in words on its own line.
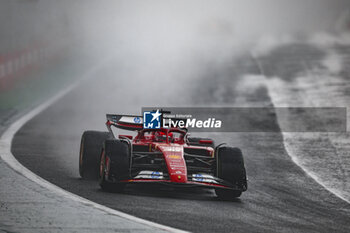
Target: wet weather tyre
column 230, row 167
column 117, row 153
column 90, row 150
column 195, row 142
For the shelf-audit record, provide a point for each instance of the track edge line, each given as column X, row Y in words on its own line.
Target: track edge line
column 7, row 156
column 294, row 158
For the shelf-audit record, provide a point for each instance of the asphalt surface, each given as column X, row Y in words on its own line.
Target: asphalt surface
column 280, row 197
column 29, row 204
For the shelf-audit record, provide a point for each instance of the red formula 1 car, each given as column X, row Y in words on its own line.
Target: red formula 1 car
column 165, row 155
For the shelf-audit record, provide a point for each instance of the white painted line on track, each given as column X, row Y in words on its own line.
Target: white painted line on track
column 7, row 156
column 311, row 174
column 337, row 193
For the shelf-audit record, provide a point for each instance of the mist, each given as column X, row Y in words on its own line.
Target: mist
column 161, row 40
column 166, row 28
column 170, row 26
column 178, row 40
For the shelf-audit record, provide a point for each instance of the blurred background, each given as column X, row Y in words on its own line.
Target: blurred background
column 153, row 33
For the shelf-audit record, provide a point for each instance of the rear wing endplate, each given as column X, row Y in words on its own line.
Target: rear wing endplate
column 126, row 122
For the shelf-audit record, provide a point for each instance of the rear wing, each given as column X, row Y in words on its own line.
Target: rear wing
column 134, row 122
column 126, row 122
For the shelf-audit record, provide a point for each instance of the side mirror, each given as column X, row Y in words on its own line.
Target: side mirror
column 206, row 142
column 125, row 136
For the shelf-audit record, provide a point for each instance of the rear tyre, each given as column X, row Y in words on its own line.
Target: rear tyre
column 90, row 150
column 230, row 167
column 195, row 142
column 114, row 165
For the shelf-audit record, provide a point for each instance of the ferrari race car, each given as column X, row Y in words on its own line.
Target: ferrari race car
column 165, row 155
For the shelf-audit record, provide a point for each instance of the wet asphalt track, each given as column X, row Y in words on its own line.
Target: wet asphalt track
column 280, row 198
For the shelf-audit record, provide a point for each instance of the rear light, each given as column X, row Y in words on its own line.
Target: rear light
column 206, row 142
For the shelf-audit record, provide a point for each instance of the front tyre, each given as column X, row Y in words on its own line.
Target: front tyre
column 104, row 184
column 114, row 165
column 90, row 150
column 230, row 167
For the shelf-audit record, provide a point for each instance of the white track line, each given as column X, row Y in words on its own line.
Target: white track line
column 288, row 150
column 7, row 156
column 313, row 175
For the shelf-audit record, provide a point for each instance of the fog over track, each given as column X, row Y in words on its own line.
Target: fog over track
column 187, row 53
column 281, row 197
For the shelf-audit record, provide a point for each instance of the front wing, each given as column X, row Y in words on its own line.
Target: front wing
column 194, row 180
